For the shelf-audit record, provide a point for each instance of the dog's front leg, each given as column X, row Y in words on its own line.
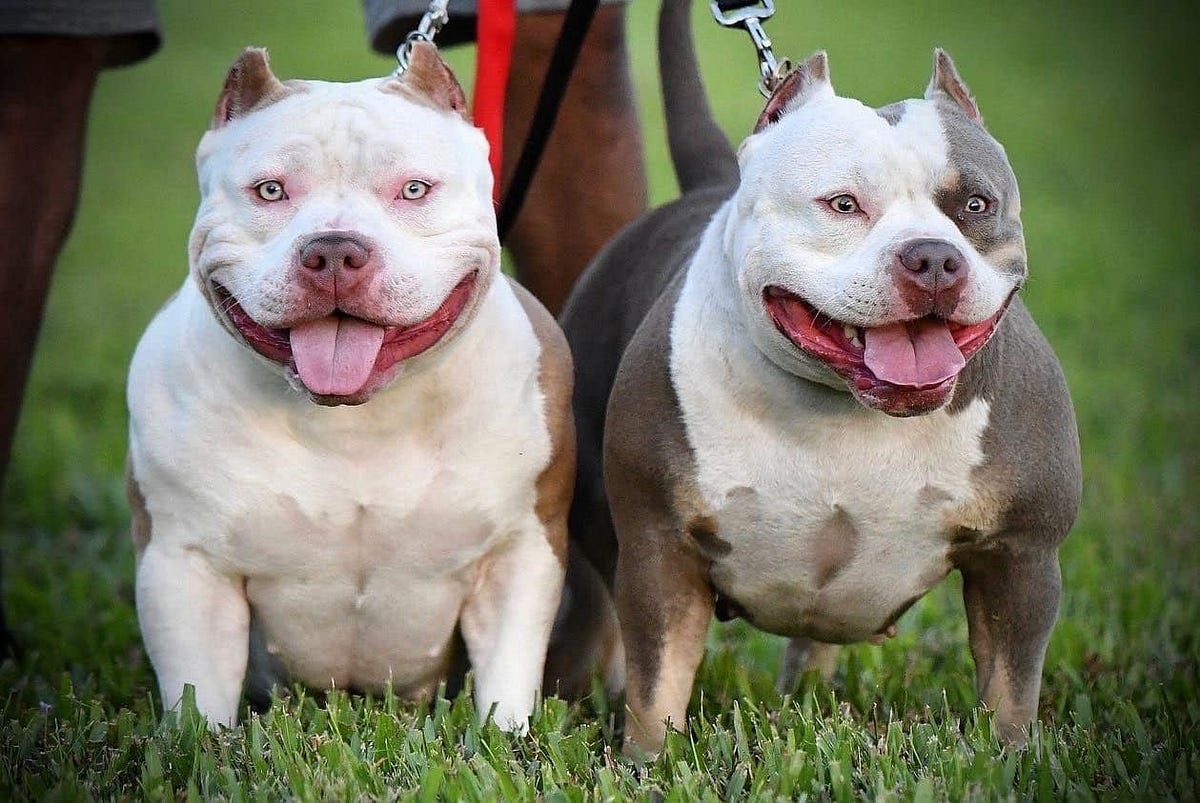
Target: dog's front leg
column 196, row 626
column 1012, row 602
column 507, row 619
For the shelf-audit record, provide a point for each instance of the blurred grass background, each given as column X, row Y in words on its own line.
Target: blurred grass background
column 1097, row 106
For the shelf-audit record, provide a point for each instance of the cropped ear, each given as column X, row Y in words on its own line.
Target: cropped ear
column 249, row 84
column 430, row 80
column 808, row 81
column 946, row 83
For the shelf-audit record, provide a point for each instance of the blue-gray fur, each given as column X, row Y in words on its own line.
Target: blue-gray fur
column 700, row 151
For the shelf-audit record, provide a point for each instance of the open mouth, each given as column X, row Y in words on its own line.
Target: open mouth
column 340, row 358
column 901, row 368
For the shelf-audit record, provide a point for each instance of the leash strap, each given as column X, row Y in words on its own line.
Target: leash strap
column 749, row 15
column 497, row 23
column 562, row 63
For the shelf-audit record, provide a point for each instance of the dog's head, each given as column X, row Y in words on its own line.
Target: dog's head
column 344, row 229
column 876, row 249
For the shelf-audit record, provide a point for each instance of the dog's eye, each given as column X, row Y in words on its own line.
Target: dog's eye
column 270, row 190
column 845, row 204
column 412, row 190
column 976, row 205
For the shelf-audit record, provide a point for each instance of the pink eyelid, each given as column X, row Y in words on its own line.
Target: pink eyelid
column 429, row 187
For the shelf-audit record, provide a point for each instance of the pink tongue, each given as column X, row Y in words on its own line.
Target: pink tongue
column 334, row 355
column 915, row 354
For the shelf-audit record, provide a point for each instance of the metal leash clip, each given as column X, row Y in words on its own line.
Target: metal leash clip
column 429, row 27
column 749, row 15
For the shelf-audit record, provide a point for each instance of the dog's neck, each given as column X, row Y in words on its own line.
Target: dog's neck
column 712, row 321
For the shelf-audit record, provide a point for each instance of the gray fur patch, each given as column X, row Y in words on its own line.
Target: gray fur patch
column 932, row 495
column 833, row 545
column 979, row 166
column 893, row 113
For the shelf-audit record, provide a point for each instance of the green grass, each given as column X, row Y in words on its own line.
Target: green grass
column 1096, row 104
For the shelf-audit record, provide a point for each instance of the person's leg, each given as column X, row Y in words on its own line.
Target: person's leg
column 46, row 85
column 592, row 177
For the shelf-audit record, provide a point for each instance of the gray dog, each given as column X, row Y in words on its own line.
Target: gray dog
column 807, row 391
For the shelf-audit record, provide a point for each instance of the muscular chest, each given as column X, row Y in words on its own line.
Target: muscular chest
column 427, row 500
column 891, row 477
column 356, row 561
column 825, row 522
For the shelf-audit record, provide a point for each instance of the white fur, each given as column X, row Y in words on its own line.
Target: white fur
column 776, row 457
column 357, row 535
column 342, row 153
column 779, row 230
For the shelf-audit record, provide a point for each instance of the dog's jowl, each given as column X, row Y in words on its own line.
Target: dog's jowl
column 351, row 447
column 808, row 390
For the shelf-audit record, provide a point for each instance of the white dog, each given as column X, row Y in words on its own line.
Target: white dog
column 350, row 438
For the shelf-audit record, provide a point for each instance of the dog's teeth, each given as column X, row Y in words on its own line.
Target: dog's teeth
column 851, row 333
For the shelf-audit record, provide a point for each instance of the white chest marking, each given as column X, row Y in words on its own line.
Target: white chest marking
column 833, row 517
column 358, row 531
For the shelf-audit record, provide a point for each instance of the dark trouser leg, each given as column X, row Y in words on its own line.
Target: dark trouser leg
column 46, row 85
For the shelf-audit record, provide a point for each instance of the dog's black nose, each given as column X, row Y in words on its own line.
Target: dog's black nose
column 334, row 251
column 932, row 256
column 931, row 276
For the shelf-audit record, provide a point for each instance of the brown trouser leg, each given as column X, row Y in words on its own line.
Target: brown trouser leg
column 46, row 84
column 592, row 178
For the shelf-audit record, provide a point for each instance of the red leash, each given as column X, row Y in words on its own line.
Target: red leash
column 497, row 24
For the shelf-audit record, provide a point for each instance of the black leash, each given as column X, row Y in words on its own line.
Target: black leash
column 746, row 14
column 562, row 62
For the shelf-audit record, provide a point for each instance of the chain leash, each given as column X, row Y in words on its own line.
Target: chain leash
column 750, row 16
column 430, row 26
